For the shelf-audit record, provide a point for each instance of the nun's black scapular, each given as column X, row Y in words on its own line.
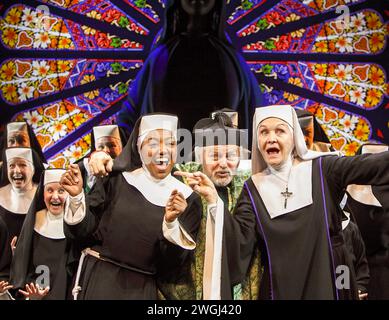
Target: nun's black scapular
column 193, row 70
column 47, row 249
column 123, row 224
column 5, row 249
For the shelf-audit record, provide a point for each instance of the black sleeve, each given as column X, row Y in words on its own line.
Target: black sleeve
column 5, row 252
column 95, row 201
column 173, row 256
column 239, row 238
column 365, row 169
column 360, row 264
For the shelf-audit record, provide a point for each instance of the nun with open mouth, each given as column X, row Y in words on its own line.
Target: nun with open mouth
column 19, row 181
column 18, row 184
column 44, row 260
column 140, row 221
column 290, row 209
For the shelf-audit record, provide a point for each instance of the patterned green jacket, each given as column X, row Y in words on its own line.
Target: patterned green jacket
column 188, row 284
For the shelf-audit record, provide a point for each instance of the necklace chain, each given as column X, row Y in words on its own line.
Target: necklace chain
column 282, row 179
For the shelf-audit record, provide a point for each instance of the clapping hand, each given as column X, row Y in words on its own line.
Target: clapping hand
column 175, row 206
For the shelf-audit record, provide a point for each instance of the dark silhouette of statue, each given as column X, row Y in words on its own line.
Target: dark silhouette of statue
column 193, row 69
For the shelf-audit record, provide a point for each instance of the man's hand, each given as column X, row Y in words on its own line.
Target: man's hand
column 34, row 292
column 72, row 181
column 175, row 206
column 201, row 184
column 4, row 286
column 100, row 163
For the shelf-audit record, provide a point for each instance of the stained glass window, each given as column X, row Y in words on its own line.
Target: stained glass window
column 67, row 65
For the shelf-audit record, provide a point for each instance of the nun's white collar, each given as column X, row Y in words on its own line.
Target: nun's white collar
column 270, row 187
column 51, row 226
column 155, row 191
column 16, row 201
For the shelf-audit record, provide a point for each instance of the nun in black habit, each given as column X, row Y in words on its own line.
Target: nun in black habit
column 193, row 70
column 290, row 209
column 18, row 187
column 42, row 242
column 130, row 217
column 19, row 179
column 369, row 207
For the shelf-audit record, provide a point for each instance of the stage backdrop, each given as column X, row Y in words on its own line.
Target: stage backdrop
column 66, row 65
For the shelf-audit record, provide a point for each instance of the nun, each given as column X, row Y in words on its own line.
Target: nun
column 19, row 181
column 140, row 221
column 369, row 207
column 18, row 184
column 289, row 208
column 44, row 259
column 108, row 139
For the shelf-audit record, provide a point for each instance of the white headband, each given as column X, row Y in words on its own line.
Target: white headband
column 16, row 126
column 155, row 122
column 283, row 112
column 53, row 175
column 287, row 114
column 23, row 153
column 105, row 131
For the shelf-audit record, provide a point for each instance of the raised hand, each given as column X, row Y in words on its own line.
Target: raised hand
column 201, row 184
column 72, row 181
column 100, row 163
column 34, row 292
column 175, row 206
column 4, row 286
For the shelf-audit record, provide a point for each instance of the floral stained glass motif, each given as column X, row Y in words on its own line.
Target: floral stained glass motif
column 70, row 63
